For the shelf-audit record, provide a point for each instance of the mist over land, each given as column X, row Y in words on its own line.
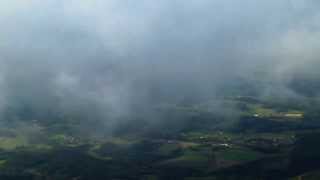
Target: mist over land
column 189, row 88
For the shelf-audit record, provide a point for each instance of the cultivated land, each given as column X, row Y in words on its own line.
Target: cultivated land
column 266, row 141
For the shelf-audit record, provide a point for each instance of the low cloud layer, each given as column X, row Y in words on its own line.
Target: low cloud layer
column 107, row 57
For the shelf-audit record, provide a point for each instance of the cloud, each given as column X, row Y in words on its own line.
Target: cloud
column 107, row 57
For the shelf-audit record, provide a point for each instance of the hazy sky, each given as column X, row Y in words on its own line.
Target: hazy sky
column 111, row 54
